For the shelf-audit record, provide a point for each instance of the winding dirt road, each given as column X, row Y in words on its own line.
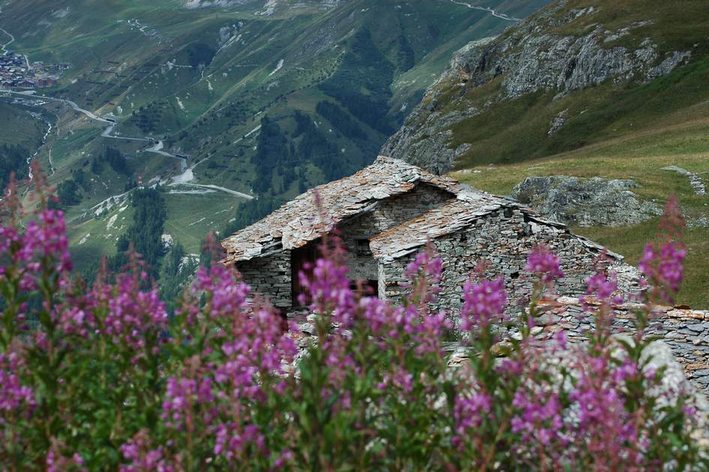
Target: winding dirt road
column 108, row 132
column 502, row 16
column 12, row 40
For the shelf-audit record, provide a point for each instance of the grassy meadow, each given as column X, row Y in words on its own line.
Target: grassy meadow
column 640, row 157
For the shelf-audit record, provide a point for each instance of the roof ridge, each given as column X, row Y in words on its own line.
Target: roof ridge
column 294, row 223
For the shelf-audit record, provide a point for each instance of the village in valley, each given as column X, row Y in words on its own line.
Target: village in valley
column 17, row 72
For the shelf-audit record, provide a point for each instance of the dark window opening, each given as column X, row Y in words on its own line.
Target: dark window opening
column 302, row 260
column 362, row 247
column 367, row 288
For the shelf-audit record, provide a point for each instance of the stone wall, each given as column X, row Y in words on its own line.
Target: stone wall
column 502, row 241
column 685, row 331
column 386, row 214
column 395, row 210
column 270, row 276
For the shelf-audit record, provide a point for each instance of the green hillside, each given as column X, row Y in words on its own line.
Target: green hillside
column 519, row 130
column 603, row 69
column 640, row 157
column 583, row 88
column 262, row 102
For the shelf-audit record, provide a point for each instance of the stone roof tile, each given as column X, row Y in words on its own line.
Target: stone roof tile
column 299, row 221
column 448, row 218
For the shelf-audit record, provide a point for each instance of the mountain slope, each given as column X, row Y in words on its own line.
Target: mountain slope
column 228, row 98
column 583, row 88
column 575, row 73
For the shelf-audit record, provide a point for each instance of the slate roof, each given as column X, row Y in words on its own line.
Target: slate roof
column 447, row 218
column 298, row 222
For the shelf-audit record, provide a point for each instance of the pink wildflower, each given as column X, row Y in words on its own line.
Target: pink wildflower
column 664, row 268
column 539, row 418
column 233, row 440
column 544, row 264
column 140, row 457
column 134, row 313
column 482, row 303
column 468, row 414
column 329, row 290
column 182, row 396
column 14, row 396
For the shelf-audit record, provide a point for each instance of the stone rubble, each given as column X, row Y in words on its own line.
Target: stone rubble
column 585, row 202
column 694, row 180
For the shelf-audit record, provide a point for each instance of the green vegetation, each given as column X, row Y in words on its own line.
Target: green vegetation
column 176, row 272
column 21, row 135
column 362, row 82
column 200, row 54
column 272, row 153
column 116, row 160
column 13, row 159
column 316, row 146
column 515, row 131
column 68, row 193
column 145, row 233
column 335, row 81
column 672, row 25
column 188, row 215
column 340, row 120
column 19, row 128
column 630, row 158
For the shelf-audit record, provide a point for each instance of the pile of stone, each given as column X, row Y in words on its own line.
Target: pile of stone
column 585, row 202
column 695, row 181
column 681, row 347
column 685, row 332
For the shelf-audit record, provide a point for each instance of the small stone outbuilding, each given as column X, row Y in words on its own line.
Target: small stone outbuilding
column 388, row 212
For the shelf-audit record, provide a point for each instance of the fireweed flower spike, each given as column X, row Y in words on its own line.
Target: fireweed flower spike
column 483, row 303
column 545, row 267
column 663, row 268
column 106, row 379
column 544, row 264
column 603, row 288
column 14, row 396
column 662, row 263
column 601, row 296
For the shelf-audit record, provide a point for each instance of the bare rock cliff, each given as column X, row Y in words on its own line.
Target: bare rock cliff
column 538, row 54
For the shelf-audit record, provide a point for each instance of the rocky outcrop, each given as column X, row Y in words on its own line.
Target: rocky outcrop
column 585, row 202
column 215, row 3
column 530, row 57
column 558, row 122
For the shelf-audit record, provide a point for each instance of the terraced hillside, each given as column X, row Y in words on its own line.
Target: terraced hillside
column 227, row 100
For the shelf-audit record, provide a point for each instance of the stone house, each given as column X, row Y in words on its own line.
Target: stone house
column 388, row 212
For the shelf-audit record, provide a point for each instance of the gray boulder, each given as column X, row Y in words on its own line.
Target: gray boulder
column 585, row 202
